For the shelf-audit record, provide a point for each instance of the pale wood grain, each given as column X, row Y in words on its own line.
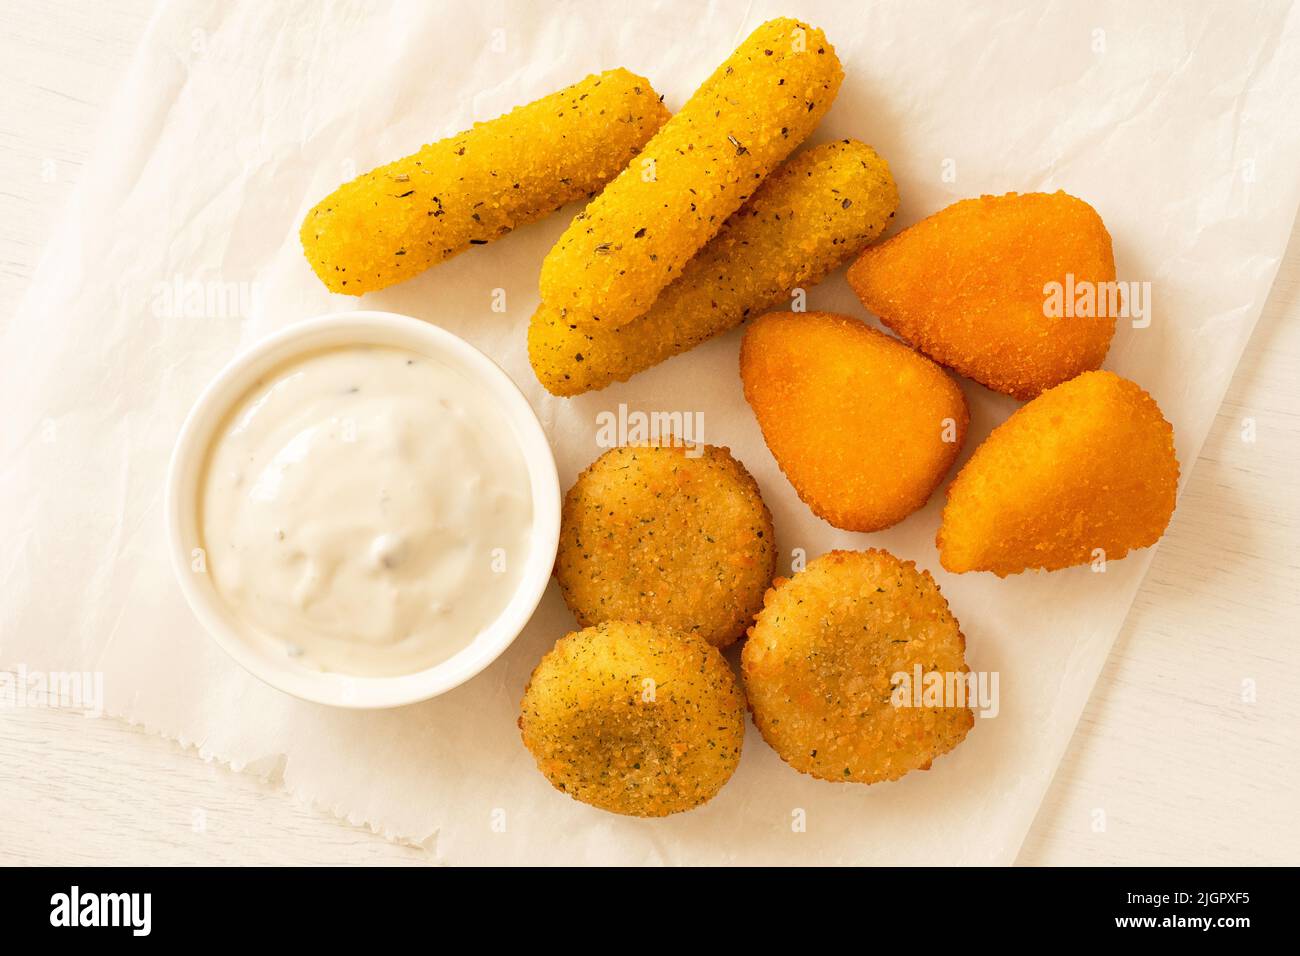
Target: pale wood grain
column 1185, row 771
column 75, row 790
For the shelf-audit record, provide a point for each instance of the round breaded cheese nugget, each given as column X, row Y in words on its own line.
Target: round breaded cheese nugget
column 824, row 665
column 1084, row 472
column 666, row 534
column 864, row 428
column 634, row 719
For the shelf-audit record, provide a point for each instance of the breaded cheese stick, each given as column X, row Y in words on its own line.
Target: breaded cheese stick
column 638, row 234
column 395, row 221
column 811, row 215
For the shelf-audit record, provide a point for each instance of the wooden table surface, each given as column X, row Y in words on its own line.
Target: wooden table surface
column 1172, row 762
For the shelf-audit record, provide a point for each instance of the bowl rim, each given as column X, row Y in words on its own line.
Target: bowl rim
column 186, row 468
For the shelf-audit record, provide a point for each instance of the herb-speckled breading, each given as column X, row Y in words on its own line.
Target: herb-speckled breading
column 394, row 222
column 669, row 535
column 637, row 235
column 820, row 661
column 634, row 719
column 815, row 212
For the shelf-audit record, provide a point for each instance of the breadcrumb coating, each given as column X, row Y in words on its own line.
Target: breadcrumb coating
column 806, row 219
column 1086, row 471
column 967, row 287
column 634, row 719
column 820, row 663
column 395, row 221
column 863, row 427
column 670, row 535
column 636, row 236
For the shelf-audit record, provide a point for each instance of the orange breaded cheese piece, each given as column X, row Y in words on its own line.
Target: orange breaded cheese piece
column 971, row 287
column 634, row 238
column 396, row 221
column 863, row 427
column 1084, row 472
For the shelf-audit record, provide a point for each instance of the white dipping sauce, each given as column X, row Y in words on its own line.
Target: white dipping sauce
column 366, row 511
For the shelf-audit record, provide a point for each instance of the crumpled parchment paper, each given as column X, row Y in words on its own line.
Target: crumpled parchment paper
column 1176, row 121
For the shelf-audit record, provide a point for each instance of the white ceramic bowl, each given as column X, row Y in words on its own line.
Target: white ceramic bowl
column 186, row 473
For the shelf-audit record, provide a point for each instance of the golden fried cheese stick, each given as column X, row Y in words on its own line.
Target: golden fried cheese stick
column 395, row 221
column 638, row 234
column 814, row 213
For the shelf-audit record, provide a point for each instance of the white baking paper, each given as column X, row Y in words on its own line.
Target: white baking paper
column 1177, row 121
